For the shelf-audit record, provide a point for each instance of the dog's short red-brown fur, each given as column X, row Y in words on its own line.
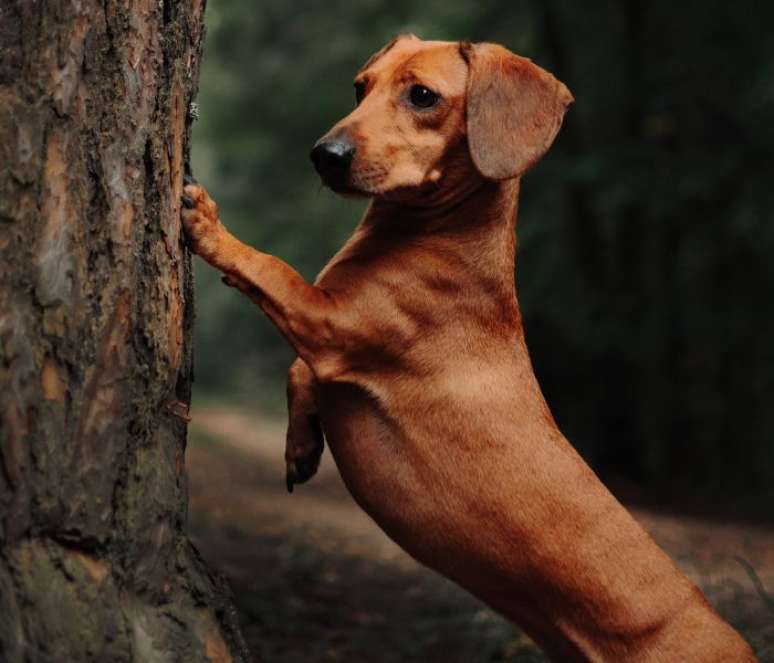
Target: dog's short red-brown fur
column 412, row 355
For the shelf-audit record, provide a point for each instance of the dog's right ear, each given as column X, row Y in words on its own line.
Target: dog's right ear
column 514, row 110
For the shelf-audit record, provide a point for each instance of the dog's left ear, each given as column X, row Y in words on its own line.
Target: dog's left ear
column 514, row 110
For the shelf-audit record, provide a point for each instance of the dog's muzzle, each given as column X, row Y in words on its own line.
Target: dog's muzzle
column 332, row 159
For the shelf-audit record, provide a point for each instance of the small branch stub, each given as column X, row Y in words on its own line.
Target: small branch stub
column 180, row 410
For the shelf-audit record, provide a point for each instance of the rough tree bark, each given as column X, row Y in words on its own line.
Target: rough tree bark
column 95, row 353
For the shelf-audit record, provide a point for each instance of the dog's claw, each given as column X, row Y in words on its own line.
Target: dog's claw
column 188, row 202
column 306, row 468
column 301, row 470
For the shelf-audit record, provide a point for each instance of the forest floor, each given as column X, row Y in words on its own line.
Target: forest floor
column 315, row 580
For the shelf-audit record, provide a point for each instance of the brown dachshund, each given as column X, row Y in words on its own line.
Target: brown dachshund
column 412, row 356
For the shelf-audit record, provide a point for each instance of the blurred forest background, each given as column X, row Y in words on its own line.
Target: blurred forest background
column 645, row 236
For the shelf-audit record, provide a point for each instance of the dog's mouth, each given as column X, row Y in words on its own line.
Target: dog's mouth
column 371, row 181
column 344, row 188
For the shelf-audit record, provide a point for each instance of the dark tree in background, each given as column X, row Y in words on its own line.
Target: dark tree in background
column 95, row 322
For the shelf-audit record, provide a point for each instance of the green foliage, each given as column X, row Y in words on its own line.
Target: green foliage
column 645, row 235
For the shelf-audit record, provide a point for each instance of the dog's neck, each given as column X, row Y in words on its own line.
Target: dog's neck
column 477, row 225
column 479, row 205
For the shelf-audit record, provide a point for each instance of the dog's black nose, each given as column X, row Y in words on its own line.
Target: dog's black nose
column 332, row 158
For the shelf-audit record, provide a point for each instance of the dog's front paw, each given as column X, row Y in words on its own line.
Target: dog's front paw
column 200, row 218
column 304, row 446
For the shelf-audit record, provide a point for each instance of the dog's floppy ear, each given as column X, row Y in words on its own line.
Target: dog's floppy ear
column 514, row 110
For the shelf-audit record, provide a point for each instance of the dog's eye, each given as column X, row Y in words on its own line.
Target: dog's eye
column 360, row 90
column 423, row 97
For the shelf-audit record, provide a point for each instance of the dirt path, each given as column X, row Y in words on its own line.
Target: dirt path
column 316, row 580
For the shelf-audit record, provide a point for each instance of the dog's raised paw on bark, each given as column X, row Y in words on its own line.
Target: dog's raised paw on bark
column 199, row 215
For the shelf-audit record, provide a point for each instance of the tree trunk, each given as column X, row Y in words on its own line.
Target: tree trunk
column 95, row 353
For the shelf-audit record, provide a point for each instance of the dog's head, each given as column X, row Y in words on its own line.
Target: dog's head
column 430, row 113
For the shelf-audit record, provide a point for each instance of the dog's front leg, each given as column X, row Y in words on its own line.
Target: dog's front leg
column 307, row 315
column 305, row 441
